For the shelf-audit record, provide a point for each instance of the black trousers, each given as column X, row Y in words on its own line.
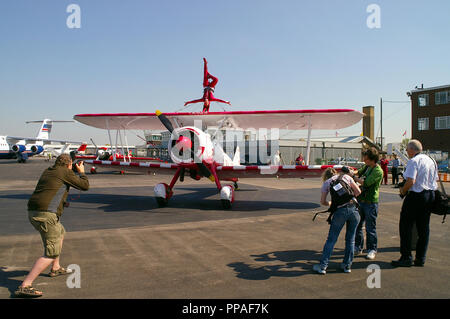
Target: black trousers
column 394, row 176
column 416, row 208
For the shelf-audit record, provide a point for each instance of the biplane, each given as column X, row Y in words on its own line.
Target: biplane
column 197, row 154
column 108, row 154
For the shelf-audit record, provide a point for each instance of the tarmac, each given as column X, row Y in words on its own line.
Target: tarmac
column 264, row 247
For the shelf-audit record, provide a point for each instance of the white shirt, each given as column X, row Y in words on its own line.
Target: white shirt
column 421, row 168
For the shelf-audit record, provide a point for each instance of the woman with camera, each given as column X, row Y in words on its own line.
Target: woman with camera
column 345, row 213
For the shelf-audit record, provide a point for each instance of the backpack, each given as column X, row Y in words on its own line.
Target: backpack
column 441, row 204
column 341, row 193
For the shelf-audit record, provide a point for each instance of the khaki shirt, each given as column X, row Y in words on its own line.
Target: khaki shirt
column 53, row 187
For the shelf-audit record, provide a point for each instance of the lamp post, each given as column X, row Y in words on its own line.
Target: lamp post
column 381, row 122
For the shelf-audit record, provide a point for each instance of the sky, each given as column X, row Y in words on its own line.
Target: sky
column 139, row 56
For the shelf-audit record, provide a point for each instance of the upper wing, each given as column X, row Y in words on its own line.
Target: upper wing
column 29, row 140
column 282, row 119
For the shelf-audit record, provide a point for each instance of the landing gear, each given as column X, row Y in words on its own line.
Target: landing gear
column 21, row 157
column 162, row 202
column 227, row 196
column 163, row 194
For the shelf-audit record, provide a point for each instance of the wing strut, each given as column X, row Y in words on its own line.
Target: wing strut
column 121, row 143
column 126, row 141
column 116, row 147
column 308, row 143
column 110, row 140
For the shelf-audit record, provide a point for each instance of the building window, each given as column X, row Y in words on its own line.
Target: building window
column 442, row 97
column 442, row 123
column 423, row 100
column 424, row 123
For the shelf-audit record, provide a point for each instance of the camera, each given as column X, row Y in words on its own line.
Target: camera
column 346, row 170
column 74, row 162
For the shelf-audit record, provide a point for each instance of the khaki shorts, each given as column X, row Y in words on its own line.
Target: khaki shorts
column 51, row 230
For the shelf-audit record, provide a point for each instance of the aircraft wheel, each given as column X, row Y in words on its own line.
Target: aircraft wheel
column 162, row 202
column 227, row 196
column 226, row 204
column 162, row 194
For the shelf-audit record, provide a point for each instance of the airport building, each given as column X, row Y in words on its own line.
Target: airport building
column 430, row 117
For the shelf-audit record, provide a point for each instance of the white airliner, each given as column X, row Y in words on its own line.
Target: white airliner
column 23, row 147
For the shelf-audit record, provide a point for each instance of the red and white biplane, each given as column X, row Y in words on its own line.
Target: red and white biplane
column 195, row 153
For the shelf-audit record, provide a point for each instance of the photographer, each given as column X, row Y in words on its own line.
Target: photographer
column 370, row 178
column 45, row 208
column 345, row 213
column 421, row 176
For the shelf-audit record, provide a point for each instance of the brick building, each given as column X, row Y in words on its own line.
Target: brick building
column 430, row 116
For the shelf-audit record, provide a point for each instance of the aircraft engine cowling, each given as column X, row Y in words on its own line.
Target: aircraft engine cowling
column 185, row 138
column 18, row 148
column 36, row 149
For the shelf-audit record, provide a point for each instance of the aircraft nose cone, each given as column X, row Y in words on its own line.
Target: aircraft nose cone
column 184, row 143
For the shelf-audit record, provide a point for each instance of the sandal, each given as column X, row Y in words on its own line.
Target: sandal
column 59, row 272
column 27, row 291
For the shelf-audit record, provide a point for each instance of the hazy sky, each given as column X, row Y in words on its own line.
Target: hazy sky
column 138, row 56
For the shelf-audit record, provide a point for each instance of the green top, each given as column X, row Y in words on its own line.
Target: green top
column 372, row 182
column 53, row 187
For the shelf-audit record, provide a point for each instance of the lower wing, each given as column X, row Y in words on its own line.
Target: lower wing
column 223, row 172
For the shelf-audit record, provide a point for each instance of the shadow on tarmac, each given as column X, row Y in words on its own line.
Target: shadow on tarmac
column 7, row 282
column 196, row 199
column 297, row 263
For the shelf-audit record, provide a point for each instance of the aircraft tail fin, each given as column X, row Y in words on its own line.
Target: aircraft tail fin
column 46, row 128
column 82, row 148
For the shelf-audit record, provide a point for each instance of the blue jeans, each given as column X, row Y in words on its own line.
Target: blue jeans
column 345, row 215
column 369, row 213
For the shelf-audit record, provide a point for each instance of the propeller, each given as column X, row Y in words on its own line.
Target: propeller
column 185, row 144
